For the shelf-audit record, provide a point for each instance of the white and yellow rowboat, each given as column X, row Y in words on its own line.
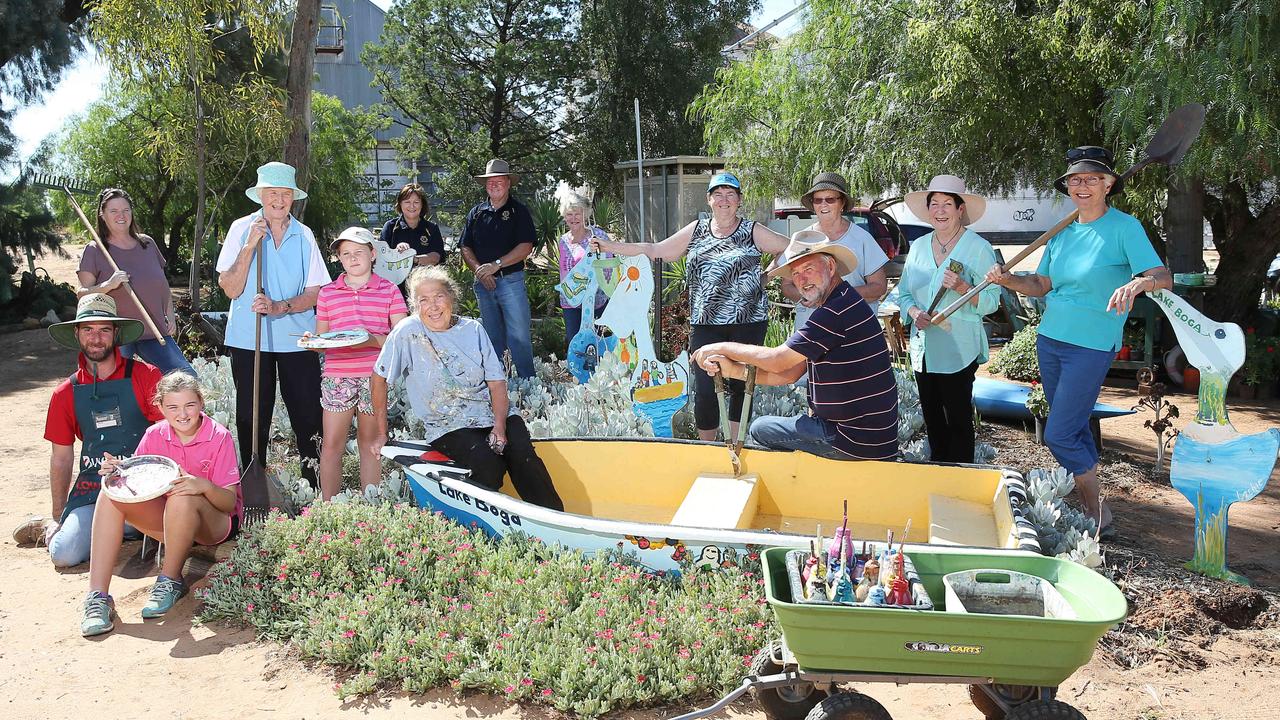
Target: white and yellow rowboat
column 667, row 500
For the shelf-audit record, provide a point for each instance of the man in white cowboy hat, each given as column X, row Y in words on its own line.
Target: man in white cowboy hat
column 853, row 398
column 496, row 238
column 107, row 405
column 293, row 271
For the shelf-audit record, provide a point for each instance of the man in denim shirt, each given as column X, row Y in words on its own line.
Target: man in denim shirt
column 496, row 238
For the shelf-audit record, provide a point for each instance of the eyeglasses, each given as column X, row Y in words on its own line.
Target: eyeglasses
column 1089, row 152
column 1092, row 181
column 827, row 200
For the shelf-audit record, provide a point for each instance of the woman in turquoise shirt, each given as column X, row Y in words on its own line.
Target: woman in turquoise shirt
column 1089, row 275
column 951, row 258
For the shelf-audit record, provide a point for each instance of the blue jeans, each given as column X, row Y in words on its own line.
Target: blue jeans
column 1078, row 372
column 167, row 357
column 572, row 324
column 504, row 312
column 799, row 432
column 70, row 545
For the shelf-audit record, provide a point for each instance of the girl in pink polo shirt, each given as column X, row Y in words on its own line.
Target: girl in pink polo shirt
column 358, row 300
column 203, row 506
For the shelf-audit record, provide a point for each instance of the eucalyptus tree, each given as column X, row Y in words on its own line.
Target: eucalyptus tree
column 476, row 79
column 177, row 46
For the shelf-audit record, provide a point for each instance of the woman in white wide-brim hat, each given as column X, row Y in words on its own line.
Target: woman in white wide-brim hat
column 293, row 271
column 944, row 265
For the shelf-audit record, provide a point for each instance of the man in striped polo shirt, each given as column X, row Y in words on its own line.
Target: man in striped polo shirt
column 853, row 398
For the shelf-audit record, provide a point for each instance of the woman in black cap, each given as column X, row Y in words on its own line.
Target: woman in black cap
column 1090, row 275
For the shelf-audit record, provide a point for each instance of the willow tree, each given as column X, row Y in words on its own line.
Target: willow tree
column 895, row 91
column 177, row 46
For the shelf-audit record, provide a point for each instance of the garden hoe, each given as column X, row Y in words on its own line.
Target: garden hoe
column 1168, row 146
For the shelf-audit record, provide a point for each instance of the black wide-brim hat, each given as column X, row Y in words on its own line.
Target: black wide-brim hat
column 1089, row 159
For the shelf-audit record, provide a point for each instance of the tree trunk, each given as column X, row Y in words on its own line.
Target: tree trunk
column 302, row 63
column 197, row 236
column 1246, row 245
column 1184, row 225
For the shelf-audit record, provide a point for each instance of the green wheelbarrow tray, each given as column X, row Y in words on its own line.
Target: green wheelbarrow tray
column 1008, row 649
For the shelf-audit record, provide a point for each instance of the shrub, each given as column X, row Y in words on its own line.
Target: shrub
column 403, row 598
column 1017, row 359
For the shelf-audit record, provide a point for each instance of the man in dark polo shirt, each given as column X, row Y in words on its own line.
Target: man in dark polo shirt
column 853, row 398
column 497, row 237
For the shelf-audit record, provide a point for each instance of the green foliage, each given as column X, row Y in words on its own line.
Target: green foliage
column 549, row 226
column 1261, row 364
column 340, row 142
column 477, row 80
column 1017, row 359
column 659, row 51
column 1036, row 402
column 38, row 40
column 26, row 226
column 406, row 599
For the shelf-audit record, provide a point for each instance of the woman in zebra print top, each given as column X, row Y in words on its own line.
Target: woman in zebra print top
column 726, row 285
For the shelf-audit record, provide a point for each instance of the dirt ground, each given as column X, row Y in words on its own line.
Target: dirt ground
column 1191, row 649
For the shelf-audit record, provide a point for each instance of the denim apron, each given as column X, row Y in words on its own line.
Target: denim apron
column 110, row 422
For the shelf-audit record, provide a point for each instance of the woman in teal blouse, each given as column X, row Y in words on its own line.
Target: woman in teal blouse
column 1089, row 276
column 951, row 260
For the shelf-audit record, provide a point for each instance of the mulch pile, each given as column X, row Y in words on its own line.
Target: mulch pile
column 1175, row 615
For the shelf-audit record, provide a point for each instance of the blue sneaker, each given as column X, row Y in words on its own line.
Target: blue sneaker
column 164, row 594
column 98, row 609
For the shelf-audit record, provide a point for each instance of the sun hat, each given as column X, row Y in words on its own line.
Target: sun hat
column 724, row 179
column 355, row 234
column 975, row 206
column 95, row 307
column 828, row 181
column 809, row 242
column 1090, row 159
column 276, row 175
column 498, row 168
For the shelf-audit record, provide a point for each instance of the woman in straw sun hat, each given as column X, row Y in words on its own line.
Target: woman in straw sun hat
column 1090, row 275
column 943, row 265
column 293, row 271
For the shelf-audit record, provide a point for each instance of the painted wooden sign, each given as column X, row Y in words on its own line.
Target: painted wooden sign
column 1213, row 465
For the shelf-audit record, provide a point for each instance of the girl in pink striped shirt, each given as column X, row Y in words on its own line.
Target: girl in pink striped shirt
column 357, row 300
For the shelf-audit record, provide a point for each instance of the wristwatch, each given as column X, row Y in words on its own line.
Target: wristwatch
column 498, row 262
column 288, row 307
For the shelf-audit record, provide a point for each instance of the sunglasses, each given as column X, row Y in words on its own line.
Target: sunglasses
column 827, row 200
column 1089, row 152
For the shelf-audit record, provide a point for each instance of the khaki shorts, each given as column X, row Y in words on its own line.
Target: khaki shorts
column 340, row 394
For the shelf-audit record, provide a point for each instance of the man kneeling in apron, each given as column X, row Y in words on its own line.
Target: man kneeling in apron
column 106, row 405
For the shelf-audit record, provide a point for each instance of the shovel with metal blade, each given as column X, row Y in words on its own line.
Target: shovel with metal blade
column 943, row 323
column 1170, row 143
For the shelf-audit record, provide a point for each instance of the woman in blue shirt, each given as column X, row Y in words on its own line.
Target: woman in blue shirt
column 1090, row 275
column 953, row 259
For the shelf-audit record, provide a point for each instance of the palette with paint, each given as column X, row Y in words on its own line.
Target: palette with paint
column 141, row 478
column 335, row 339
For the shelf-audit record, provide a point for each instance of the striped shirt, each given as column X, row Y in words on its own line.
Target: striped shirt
column 369, row 308
column 850, row 378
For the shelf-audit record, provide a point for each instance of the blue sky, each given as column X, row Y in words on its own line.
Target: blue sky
column 83, row 84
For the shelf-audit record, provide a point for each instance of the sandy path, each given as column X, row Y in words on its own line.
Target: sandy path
column 48, row 671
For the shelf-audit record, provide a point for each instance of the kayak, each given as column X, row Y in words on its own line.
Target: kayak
column 1001, row 399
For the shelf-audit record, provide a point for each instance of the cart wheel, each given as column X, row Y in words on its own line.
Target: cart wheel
column 1012, row 695
column 849, row 706
column 1045, row 710
column 792, row 702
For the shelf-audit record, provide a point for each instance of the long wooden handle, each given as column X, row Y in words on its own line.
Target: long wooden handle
column 146, row 317
column 1035, row 245
column 257, row 362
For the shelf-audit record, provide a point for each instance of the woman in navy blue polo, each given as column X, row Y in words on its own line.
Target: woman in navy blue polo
column 410, row 228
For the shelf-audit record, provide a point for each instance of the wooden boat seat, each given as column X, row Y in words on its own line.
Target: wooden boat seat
column 959, row 522
column 719, row 501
